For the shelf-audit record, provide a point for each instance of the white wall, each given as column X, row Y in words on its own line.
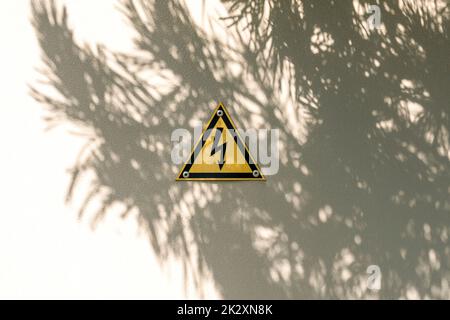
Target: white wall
column 45, row 251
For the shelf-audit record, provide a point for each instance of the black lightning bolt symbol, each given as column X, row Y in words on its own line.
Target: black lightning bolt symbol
column 222, row 148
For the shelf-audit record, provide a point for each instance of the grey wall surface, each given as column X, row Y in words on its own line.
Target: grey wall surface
column 364, row 147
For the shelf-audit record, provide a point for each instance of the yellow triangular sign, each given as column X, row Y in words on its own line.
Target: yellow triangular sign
column 220, row 153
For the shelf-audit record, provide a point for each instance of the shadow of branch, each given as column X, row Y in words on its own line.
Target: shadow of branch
column 368, row 184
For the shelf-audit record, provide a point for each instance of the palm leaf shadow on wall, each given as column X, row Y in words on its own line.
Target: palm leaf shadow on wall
column 366, row 182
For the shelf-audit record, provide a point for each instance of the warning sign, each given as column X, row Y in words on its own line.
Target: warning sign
column 220, row 153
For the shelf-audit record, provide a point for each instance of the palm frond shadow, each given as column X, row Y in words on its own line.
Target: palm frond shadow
column 368, row 184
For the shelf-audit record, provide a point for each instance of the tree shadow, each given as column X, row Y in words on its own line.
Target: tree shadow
column 364, row 158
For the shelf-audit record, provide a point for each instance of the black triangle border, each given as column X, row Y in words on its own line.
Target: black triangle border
column 217, row 176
